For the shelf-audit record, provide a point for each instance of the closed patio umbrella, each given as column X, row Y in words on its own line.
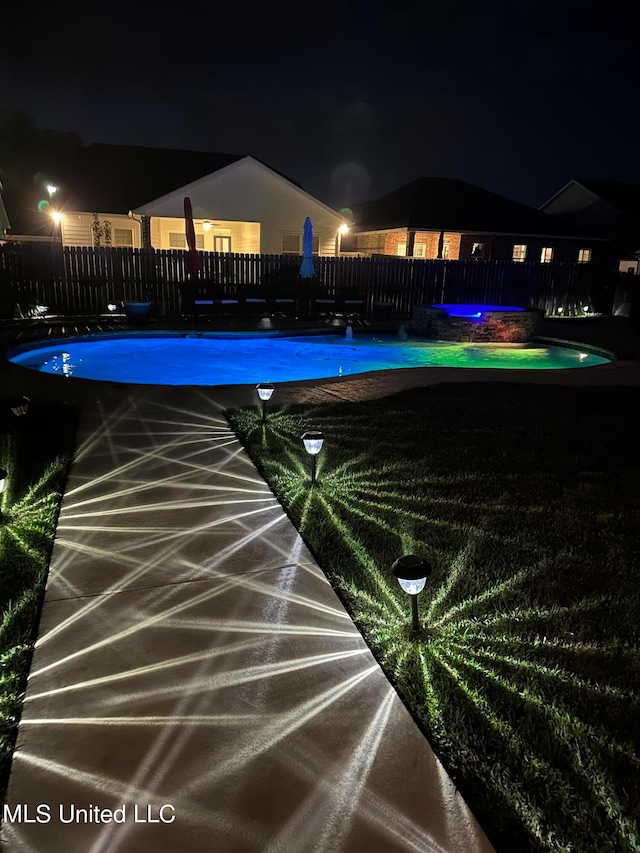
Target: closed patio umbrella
column 440, row 244
column 193, row 264
column 307, row 270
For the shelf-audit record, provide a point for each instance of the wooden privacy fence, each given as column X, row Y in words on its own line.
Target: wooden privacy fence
column 79, row 280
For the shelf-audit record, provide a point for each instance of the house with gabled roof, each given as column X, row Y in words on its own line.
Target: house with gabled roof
column 452, row 219
column 132, row 196
column 608, row 208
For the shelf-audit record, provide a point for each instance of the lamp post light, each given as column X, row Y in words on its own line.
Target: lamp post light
column 313, row 445
column 19, row 405
column 412, row 573
column 265, row 391
column 344, row 229
column 3, row 483
column 57, row 218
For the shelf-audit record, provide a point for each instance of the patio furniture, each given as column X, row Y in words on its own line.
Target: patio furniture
column 137, row 313
column 283, row 305
column 323, row 303
column 199, row 299
column 254, row 303
column 352, row 304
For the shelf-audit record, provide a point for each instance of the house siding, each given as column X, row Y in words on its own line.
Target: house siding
column 247, row 192
column 245, row 236
column 76, row 228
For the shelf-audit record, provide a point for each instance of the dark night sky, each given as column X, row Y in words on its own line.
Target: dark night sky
column 352, row 99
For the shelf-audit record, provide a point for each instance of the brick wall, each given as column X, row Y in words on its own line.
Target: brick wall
column 391, row 242
column 369, row 243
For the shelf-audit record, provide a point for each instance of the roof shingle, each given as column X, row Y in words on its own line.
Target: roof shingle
column 445, row 204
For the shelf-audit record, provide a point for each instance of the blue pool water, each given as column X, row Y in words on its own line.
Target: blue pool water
column 242, row 357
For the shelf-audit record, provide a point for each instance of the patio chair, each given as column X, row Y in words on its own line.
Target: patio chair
column 199, row 299
column 228, row 303
column 352, row 304
column 322, row 304
column 283, row 305
column 254, row 303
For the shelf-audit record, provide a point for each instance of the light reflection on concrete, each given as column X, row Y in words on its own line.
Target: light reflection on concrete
column 191, row 652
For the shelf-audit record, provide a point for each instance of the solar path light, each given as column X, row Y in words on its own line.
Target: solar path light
column 412, row 573
column 265, row 391
column 3, row 483
column 313, row 445
column 19, row 405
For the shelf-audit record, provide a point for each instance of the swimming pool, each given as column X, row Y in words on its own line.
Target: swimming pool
column 165, row 358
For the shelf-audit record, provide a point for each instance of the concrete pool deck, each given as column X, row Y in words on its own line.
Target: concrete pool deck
column 192, row 654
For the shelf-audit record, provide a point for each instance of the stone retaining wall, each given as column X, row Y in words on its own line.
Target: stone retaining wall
column 516, row 327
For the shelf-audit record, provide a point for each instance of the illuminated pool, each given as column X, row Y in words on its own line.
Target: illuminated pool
column 166, row 358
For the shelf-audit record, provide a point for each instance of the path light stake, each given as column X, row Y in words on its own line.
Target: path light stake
column 265, row 390
column 19, row 405
column 313, row 445
column 3, row 483
column 412, row 573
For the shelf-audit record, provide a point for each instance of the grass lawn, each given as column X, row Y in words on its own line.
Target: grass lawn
column 526, row 675
column 35, row 450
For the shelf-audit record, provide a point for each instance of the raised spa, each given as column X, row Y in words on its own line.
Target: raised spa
column 168, row 358
column 478, row 323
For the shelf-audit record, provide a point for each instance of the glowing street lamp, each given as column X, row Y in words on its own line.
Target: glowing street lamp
column 19, row 405
column 265, row 390
column 3, row 483
column 412, row 573
column 313, row 445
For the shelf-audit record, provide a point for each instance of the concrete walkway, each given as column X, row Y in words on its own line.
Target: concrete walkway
column 195, row 671
column 191, row 653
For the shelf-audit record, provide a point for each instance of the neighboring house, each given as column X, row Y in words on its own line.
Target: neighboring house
column 608, row 208
column 239, row 204
column 441, row 217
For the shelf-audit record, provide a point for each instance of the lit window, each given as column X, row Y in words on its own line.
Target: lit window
column 291, row 244
column 122, row 237
column 584, row 256
column 419, row 250
column 177, row 240
column 478, row 250
column 221, row 243
column 445, row 249
column 401, row 249
column 546, row 255
column 519, row 252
